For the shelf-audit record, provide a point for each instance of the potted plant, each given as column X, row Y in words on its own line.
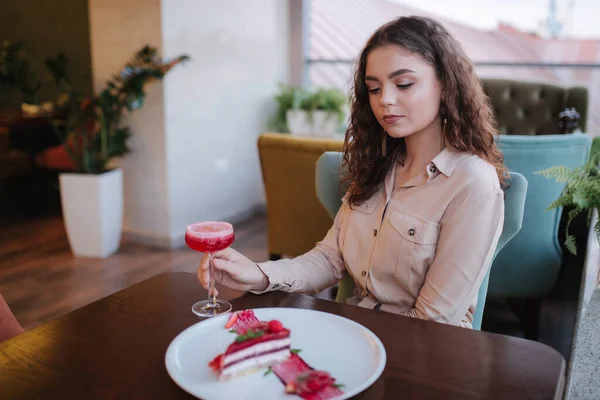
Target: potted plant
column 581, row 192
column 291, row 115
column 92, row 193
column 327, row 110
column 304, row 112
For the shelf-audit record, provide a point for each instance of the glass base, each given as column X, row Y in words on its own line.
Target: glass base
column 202, row 308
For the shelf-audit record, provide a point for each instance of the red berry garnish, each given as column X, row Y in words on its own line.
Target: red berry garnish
column 275, row 326
column 215, row 364
column 313, row 382
column 231, row 321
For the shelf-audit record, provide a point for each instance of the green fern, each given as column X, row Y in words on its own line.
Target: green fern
column 581, row 192
column 560, row 173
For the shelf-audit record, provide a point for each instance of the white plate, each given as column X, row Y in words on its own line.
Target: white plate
column 351, row 353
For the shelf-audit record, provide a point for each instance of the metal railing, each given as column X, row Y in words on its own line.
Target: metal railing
column 476, row 63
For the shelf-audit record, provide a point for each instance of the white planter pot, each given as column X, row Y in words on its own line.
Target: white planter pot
column 298, row 122
column 324, row 122
column 93, row 212
column 316, row 123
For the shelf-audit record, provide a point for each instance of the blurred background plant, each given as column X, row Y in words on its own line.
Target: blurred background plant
column 330, row 100
column 92, row 131
column 16, row 71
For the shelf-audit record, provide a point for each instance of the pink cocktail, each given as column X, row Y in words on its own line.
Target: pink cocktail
column 209, row 237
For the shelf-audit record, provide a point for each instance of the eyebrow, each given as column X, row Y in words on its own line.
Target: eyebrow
column 392, row 75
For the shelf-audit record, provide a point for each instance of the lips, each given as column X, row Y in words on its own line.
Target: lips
column 392, row 118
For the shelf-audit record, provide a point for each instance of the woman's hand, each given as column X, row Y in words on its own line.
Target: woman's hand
column 232, row 270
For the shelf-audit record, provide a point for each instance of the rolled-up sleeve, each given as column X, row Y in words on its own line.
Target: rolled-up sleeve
column 468, row 238
column 318, row 269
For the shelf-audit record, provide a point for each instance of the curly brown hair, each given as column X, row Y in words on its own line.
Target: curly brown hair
column 471, row 126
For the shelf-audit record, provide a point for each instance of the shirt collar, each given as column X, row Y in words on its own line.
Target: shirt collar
column 445, row 162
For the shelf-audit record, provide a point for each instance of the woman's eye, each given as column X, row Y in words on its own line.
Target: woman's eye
column 374, row 90
column 405, row 86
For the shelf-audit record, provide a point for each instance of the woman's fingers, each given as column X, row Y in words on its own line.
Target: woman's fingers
column 225, row 266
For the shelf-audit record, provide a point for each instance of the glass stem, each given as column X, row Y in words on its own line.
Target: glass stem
column 212, row 301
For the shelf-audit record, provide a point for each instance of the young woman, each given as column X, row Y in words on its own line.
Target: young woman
column 425, row 208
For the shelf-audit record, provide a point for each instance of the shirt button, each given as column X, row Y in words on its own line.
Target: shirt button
column 363, row 273
column 375, row 232
column 411, row 232
column 433, row 169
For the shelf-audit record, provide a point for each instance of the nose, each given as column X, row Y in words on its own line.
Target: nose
column 388, row 97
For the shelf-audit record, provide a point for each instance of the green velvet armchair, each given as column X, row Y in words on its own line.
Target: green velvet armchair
column 528, row 267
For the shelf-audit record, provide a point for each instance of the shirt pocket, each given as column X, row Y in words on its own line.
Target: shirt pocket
column 415, row 242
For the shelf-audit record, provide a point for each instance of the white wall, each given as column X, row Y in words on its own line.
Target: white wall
column 118, row 29
column 194, row 142
column 218, row 104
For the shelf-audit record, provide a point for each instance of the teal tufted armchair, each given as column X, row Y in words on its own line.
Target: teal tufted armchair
column 529, row 265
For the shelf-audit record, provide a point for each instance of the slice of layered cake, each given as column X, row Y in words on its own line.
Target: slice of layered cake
column 260, row 345
column 257, row 345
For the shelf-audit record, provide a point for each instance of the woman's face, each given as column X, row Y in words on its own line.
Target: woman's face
column 404, row 91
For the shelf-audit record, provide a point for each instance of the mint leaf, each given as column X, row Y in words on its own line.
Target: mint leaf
column 232, row 331
column 267, row 372
column 339, row 385
column 254, row 334
column 241, row 338
column 249, row 335
column 295, row 351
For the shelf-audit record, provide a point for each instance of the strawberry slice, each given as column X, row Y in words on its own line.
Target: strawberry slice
column 215, row 364
column 232, row 319
column 240, row 321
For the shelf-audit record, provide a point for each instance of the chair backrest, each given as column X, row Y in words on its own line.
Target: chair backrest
column 533, row 108
column 330, row 194
column 528, row 266
column 296, row 219
column 514, row 206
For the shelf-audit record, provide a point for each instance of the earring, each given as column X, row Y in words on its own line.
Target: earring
column 444, row 133
column 384, row 144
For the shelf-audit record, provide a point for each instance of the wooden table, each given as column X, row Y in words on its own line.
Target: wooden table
column 115, row 348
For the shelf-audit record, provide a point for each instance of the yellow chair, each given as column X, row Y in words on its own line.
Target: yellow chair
column 296, row 218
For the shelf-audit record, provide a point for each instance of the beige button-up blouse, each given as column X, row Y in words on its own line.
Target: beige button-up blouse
column 421, row 249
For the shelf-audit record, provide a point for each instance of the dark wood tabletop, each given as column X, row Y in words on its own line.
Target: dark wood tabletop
column 115, row 349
